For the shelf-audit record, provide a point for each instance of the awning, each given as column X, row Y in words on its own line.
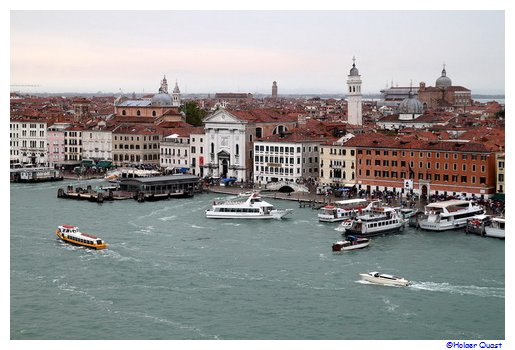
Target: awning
column 498, row 197
column 229, row 179
column 87, row 163
column 105, row 164
column 184, row 170
column 350, row 185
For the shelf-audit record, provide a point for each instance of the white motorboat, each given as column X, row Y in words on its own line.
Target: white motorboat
column 383, row 278
column 380, row 221
column 350, row 243
column 344, row 210
column 345, row 224
column 406, row 213
column 448, row 215
column 496, row 229
column 251, row 208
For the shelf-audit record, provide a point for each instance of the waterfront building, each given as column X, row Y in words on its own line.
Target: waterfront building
column 338, row 163
column 354, row 103
column 73, row 145
column 500, row 159
column 97, row 141
column 56, row 147
column 197, row 155
column 28, row 143
column 229, row 137
column 135, row 144
column 176, row 151
column 14, row 141
column 449, row 167
column 288, row 157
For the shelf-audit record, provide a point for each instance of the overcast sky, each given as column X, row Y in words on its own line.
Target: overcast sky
column 245, row 51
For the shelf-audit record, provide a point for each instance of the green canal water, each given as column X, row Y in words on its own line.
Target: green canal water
column 170, row 273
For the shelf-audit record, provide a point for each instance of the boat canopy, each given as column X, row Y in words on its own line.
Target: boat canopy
column 446, row 204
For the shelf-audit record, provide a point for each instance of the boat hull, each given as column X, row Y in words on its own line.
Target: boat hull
column 69, row 241
column 494, row 232
column 337, row 247
column 274, row 214
column 392, row 230
column 383, row 281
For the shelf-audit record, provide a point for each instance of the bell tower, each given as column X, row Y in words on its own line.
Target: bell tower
column 354, row 97
column 176, row 96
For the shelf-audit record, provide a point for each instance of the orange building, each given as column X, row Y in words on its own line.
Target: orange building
column 403, row 165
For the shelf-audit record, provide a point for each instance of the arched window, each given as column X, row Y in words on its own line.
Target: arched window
column 124, row 112
column 212, row 147
column 237, row 149
column 154, row 113
column 350, row 89
column 259, row 133
column 138, row 113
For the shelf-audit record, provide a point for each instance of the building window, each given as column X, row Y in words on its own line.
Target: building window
column 124, row 112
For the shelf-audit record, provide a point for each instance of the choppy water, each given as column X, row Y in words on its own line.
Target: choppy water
column 169, row 273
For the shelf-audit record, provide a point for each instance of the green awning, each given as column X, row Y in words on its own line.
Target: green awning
column 498, row 197
column 104, row 164
column 87, row 163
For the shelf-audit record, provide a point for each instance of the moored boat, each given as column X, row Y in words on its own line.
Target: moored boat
column 478, row 223
column 251, row 208
column 344, row 209
column 496, row 229
column 350, row 243
column 344, row 225
column 448, row 215
column 72, row 235
column 383, row 278
column 381, row 220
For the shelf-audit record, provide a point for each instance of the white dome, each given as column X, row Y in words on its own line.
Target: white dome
column 161, row 99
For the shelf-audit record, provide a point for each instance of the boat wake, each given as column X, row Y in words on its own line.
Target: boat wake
column 495, row 292
column 168, row 218
column 380, row 284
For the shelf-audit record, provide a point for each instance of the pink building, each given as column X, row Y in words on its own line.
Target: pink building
column 55, row 135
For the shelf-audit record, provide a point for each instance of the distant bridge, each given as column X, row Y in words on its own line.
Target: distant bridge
column 284, row 186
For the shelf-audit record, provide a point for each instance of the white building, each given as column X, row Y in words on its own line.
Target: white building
column 338, row 163
column 354, row 97
column 14, row 143
column 225, row 146
column 97, row 142
column 174, row 153
column 29, row 141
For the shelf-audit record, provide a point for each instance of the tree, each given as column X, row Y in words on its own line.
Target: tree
column 499, row 114
column 194, row 115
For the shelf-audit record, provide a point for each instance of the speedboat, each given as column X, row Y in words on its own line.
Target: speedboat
column 383, row 278
column 72, row 235
column 350, row 243
column 251, row 208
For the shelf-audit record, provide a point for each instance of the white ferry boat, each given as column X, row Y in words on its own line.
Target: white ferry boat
column 448, row 215
column 252, row 208
column 71, row 234
column 379, row 221
column 344, row 210
column 496, row 229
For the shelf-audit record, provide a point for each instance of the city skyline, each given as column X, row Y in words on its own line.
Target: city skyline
column 245, row 51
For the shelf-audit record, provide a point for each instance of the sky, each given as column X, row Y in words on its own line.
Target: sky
column 245, row 51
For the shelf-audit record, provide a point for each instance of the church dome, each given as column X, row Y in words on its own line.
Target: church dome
column 161, row 99
column 354, row 71
column 411, row 105
column 444, row 81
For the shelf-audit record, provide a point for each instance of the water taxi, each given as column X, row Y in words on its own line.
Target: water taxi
column 448, row 215
column 71, row 234
column 350, row 243
column 383, row 278
column 251, row 208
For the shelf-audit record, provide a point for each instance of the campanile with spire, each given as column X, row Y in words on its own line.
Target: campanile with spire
column 354, row 97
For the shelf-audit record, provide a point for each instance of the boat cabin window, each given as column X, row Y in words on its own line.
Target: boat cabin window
column 99, row 241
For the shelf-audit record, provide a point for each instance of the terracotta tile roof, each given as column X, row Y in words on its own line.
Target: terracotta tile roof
column 263, row 116
column 411, row 143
